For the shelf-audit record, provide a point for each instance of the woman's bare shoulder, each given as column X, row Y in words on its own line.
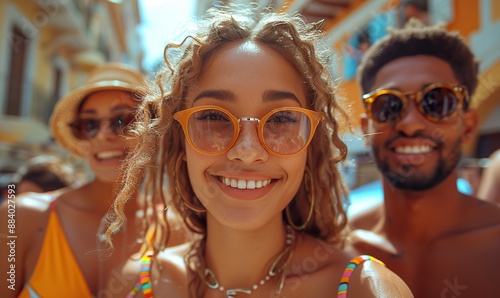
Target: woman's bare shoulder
column 172, row 271
column 326, row 254
column 25, row 218
column 173, row 255
column 32, row 208
column 33, row 202
column 323, row 264
column 28, row 207
column 371, row 279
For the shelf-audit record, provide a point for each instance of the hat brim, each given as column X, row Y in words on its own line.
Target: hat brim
column 65, row 112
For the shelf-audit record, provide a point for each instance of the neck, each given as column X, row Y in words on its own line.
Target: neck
column 100, row 195
column 421, row 215
column 240, row 259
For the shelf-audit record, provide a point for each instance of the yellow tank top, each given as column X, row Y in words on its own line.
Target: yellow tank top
column 56, row 272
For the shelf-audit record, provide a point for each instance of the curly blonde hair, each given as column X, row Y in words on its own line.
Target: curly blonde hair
column 161, row 140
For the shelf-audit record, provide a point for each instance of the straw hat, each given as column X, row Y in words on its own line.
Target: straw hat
column 110, row 76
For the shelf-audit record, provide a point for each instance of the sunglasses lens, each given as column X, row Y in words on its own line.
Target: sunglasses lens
column 85, row 129
column 386, row 108
column 210, row 130
column 439, row 103
column 120, row 122
column 287, row 132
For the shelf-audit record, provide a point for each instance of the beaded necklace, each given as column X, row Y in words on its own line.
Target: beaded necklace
column 213, row 283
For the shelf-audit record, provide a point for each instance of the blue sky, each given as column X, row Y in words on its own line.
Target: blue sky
column 161, row 21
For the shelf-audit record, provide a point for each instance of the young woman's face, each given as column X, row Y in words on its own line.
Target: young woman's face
column 246, row 186
column 107, row 146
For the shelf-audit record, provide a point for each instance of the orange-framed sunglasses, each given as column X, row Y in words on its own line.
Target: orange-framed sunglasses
column 283, row 131
column 435, row 102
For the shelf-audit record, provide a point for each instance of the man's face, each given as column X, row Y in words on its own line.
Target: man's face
column 416, row 153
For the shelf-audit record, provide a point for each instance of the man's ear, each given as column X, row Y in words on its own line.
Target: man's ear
column 365, row 122
column 470, row 125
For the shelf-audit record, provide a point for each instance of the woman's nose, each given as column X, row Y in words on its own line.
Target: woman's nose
column 248, row 147
column 105, row 129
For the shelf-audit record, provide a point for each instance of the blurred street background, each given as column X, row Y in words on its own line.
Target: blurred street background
column 49, row 46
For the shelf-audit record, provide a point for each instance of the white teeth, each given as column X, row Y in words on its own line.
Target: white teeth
column 414, row 149
column 109, row 154
column 244, row 184
column 251, row 184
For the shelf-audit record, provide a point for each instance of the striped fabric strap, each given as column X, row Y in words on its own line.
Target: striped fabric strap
column 144, row 281
column 346, row 276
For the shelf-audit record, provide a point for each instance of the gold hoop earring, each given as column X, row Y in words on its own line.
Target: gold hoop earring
column 178, row 189
column 309, row 187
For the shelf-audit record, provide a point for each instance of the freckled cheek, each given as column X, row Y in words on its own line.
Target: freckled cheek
column 293, row 165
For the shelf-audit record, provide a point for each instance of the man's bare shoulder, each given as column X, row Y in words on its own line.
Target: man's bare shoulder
column 479, row 216
column 467, row 260
column 480, row 225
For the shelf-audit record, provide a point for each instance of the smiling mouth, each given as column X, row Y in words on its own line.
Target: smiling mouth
column 244, row 184
column 417, row 149
column 106, row 155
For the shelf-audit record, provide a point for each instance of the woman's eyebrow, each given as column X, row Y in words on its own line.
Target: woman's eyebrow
column 220, row 94
column 276, row 95
column 226, row 95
